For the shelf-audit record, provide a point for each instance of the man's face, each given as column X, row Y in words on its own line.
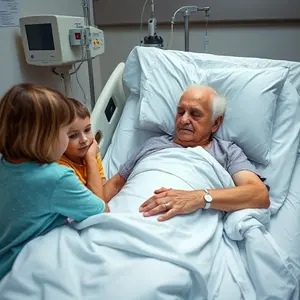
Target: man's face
column 193, row 123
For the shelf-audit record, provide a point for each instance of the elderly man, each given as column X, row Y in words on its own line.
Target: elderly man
column 199, row 114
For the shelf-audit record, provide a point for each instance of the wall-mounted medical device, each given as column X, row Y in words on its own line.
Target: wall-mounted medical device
column 54, row 40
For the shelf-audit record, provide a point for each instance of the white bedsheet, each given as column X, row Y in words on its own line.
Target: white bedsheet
column 123, row 255
column 285, row 225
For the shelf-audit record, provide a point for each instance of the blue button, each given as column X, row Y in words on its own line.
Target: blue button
column 32, row 56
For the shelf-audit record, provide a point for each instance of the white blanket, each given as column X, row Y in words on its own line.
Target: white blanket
column 122, row 255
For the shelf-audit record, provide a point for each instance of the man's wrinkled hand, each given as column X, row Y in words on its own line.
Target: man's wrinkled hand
column 172, row 202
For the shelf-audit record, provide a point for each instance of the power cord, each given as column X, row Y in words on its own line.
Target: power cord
column 172, row 28
column 84, row 95
column 141, row 24
column 83, row 58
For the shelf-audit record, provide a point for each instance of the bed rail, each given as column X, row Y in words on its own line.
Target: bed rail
column 109, row 107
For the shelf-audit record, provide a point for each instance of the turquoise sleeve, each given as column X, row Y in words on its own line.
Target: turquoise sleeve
column 73, row 200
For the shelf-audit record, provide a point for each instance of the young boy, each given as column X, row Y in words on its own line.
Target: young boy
column 89, row 170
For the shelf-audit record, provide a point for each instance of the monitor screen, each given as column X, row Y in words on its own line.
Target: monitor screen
column 39, row 37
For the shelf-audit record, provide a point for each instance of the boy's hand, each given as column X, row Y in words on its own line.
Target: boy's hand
column 92, row 151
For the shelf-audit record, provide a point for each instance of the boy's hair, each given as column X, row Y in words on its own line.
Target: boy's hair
column 81, row 110
column 31, row 117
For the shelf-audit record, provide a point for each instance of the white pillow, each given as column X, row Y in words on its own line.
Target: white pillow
column 284, row 145
column 251, row 95
column 161, row 89
column 251, row 102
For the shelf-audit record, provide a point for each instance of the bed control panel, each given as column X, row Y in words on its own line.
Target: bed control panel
column 110, row 109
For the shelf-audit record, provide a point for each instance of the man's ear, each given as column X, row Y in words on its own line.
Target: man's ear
column 217, row 123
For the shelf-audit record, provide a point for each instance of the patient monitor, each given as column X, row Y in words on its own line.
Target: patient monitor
column 54, row 40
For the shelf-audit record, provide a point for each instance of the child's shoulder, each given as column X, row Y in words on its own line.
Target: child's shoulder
column 32, row 173
column 56, row 169
column 51, row 172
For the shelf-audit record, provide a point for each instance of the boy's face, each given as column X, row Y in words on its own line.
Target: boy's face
column 80, row 138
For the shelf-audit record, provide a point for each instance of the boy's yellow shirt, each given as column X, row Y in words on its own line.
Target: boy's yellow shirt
column 81, row 170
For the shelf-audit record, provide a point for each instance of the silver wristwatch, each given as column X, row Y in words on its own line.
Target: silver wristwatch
column 208, row 199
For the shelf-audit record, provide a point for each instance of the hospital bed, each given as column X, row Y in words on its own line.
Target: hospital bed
column 117, row 147
column 125, row 256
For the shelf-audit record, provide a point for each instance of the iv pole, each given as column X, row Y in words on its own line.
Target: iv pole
column 186, row 17
column 187, row 11
column 87, row 17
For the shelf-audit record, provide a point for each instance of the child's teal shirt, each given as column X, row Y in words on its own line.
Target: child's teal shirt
column 34, row 199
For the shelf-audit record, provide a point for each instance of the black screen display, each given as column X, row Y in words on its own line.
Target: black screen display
column 39, row 37
column 110, row 109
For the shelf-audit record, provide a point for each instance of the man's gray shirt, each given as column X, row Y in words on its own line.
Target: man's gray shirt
column 229, row 155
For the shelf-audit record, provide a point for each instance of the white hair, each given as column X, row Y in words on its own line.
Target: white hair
column 218, row 106
column 219, row 102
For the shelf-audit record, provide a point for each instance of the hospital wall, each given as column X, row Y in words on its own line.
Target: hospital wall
column 14, row 68
column 278, row 41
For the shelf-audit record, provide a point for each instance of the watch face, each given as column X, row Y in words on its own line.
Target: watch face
column 208, row 198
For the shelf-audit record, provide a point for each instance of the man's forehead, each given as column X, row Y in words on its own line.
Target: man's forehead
column 189, row 103
column 195, row 98
column 193, row 103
